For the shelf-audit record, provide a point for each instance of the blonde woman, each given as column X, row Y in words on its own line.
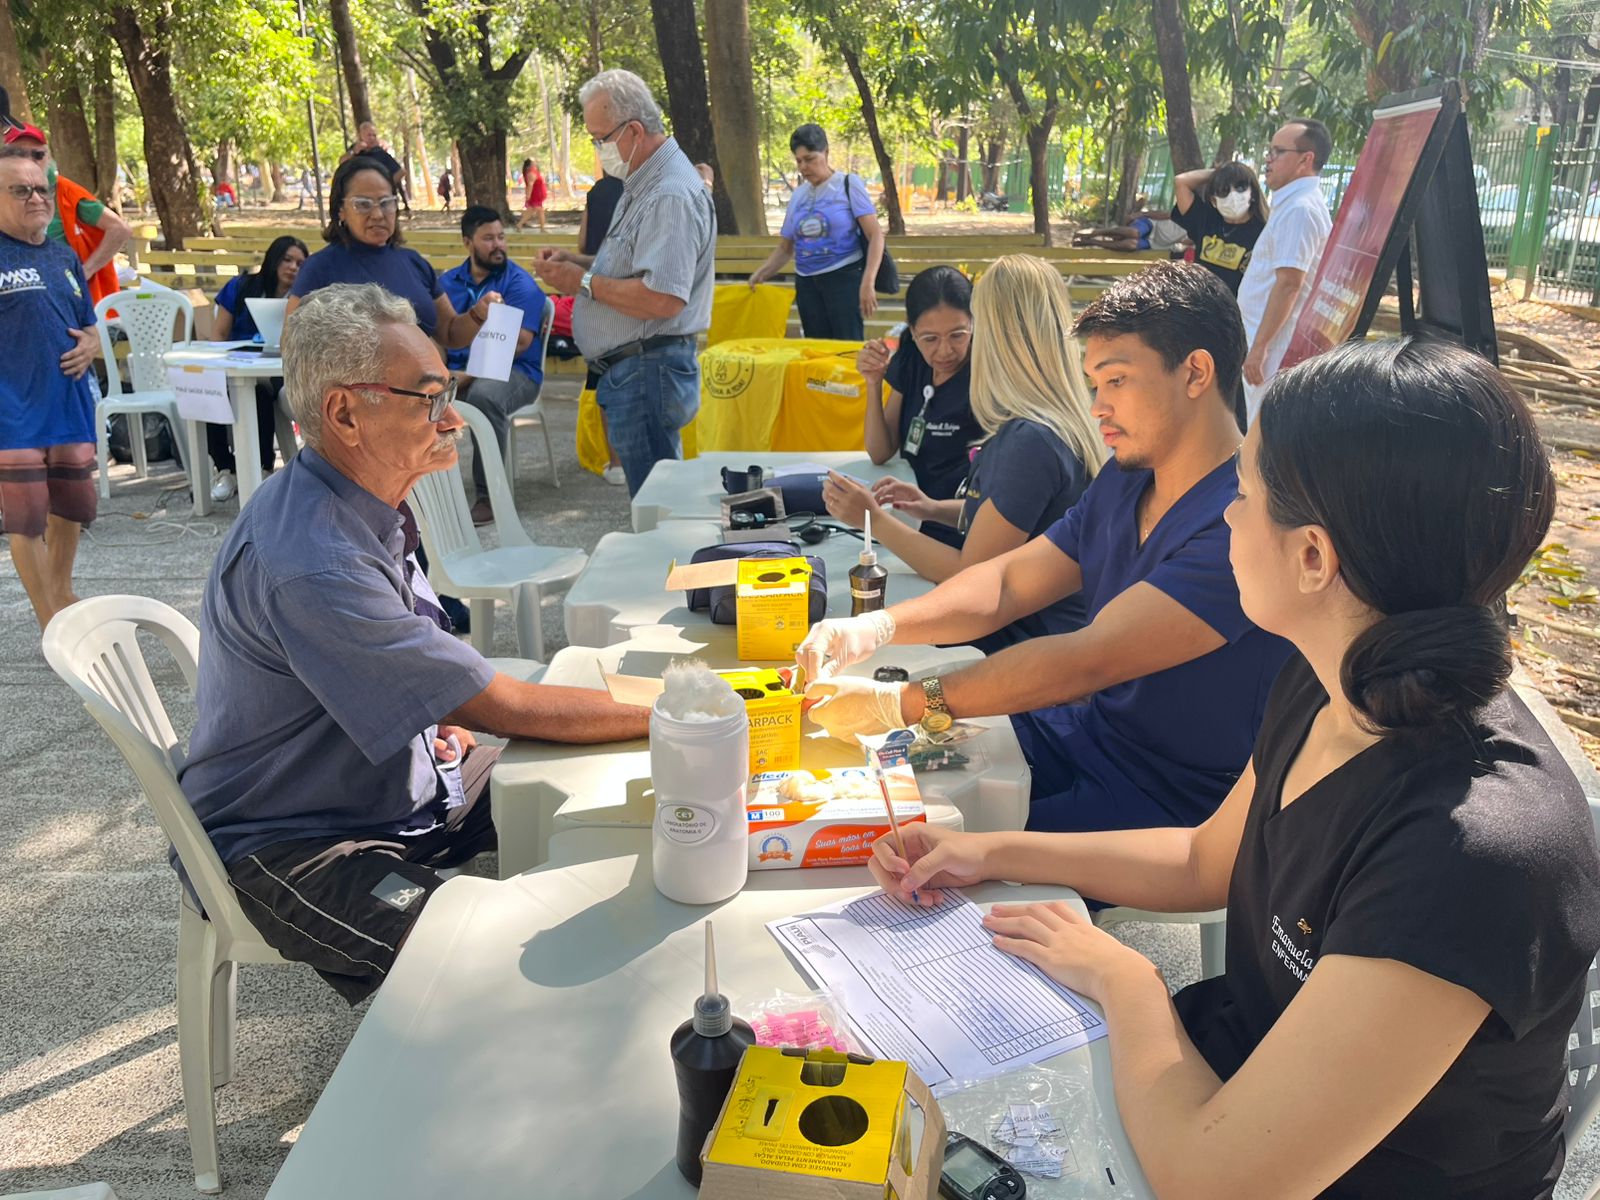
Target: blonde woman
column 1028, row 394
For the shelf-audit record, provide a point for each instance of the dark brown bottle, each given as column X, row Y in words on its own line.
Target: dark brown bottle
column 706, row 1052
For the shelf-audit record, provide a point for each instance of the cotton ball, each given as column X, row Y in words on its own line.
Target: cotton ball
column 694, row 692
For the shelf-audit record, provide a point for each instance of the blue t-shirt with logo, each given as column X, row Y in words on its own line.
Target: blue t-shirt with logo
column 518, row 289
column 822, row 223
column 42, row 295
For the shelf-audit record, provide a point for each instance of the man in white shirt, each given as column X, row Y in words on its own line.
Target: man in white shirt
column 1283, row 264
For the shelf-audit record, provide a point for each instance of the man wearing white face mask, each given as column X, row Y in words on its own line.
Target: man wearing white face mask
column 646, row 293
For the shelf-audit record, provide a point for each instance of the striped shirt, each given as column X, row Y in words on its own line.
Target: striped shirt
column 664, row 232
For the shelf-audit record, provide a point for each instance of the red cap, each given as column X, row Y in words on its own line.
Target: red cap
column 19, row 132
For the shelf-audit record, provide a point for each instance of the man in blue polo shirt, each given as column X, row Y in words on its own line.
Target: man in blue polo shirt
column 1146, row 716
column 489, row 269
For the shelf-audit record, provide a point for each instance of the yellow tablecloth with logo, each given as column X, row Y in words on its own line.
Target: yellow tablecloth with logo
column 737, row 311
column 781, row 394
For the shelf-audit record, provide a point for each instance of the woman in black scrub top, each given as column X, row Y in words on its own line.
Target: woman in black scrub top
column 1409, row 866
column 925, row 411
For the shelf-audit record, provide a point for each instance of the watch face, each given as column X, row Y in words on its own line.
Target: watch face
column 937, row 722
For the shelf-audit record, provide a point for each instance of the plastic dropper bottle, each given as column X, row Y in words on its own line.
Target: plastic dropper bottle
column 705, row 1051
column 867, row 580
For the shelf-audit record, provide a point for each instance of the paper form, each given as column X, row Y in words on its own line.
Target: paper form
column 494, row 348
column 928, row 987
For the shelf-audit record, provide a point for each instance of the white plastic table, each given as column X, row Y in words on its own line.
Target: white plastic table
column 519, row 1048
column 539, row 788
column 621, row 589
column 692, row 489
column 242, row 376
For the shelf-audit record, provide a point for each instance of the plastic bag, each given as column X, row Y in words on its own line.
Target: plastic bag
column 806, row 1020
column 1042, row 1114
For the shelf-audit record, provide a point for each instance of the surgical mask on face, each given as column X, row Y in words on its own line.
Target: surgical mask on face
column 1234, row 205
column 612, row 162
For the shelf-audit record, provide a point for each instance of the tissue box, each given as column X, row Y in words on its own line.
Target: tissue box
column 801, row 830
column 821, row 1125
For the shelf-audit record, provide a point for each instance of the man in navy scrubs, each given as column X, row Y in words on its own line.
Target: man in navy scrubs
column 1146, row 716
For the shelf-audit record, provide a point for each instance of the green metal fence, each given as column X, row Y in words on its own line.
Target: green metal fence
column 1539, row 203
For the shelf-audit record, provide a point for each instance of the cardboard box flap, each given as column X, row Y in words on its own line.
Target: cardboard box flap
column 686, row 577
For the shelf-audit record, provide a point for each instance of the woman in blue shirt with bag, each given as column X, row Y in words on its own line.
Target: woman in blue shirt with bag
column 832, row 231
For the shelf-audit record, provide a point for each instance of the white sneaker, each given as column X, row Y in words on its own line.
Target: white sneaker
column 616, row 475
column 223, row 486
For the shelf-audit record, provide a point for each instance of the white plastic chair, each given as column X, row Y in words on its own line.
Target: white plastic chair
column 517, row 571
column 1213, row 931
column 532, row 414
column 147, row 318
column 1583, row 1062
column 92, row 646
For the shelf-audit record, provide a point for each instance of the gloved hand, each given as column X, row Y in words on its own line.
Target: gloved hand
column 848, row 705
column 834, row 645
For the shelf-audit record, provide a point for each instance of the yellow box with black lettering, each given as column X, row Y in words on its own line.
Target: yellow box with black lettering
column 820, row 1125
column 774, row 718
column 772, row 600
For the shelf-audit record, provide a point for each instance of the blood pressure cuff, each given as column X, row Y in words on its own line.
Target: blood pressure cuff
column 720, row 600
column 801, row 493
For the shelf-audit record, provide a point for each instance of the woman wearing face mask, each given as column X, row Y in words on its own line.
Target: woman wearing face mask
column 233, row 322
column 925, row 411
column 1408, row 863
column 829, row 215
column 1223, row 212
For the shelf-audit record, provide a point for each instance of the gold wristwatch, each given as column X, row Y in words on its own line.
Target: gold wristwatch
column 936, row 716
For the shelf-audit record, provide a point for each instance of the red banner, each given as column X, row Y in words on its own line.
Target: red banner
column 1366, row 218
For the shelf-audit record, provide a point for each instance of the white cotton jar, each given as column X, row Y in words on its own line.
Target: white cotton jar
column 699, row 767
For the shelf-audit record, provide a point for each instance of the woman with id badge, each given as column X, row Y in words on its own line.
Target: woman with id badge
column 925, row 412
column 1041, row 450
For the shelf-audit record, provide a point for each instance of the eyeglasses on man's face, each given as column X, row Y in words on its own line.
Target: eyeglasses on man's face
column 601, row 141
column 437, row 402
column 364, row 206
column 26, row 191
column 1278, row 151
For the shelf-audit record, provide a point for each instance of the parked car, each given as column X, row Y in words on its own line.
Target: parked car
column 1497, row 210
column 1572, row 247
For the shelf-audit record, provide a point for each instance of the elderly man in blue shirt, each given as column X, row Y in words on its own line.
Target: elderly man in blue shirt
column 332, row 762
column 489, row 269
column 1147, row 715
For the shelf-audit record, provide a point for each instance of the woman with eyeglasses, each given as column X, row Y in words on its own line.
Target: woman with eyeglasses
column 919, row 402
column 364, row 246
column 1223, row 212
column 1408, row 863
column 1042, row 447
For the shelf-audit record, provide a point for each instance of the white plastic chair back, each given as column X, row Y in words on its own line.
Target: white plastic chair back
column 92, row 646
column 148, row 319
column 1583, row 1061
column 444, row 516
column 507, row 525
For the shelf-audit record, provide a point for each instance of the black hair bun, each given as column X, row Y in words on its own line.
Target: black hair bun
column 1427, row 669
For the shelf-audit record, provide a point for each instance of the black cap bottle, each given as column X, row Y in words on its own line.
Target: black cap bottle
column 706, row 1051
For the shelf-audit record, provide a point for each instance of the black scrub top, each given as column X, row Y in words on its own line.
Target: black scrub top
column 944, row 457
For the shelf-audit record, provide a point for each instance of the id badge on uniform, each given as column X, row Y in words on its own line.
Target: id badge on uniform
column 914, row 434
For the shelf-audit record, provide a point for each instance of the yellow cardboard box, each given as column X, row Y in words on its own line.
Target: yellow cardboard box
column 774, row 718
column 820, row 1125
column 772, row 600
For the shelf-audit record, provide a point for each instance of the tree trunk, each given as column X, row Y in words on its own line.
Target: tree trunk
column 963, row 167
column 105, row 130
column 11, row 76
column 355, row 77
column 1182, row 137
column 224, row 171
column 734, row 113
column 167, row 153
column 869, row 117
column 991, row 165
column 688, row 101
column 71, row 144
column 1128, row 181
column 596, row 51
column 552, row 147
column 414, row 136
column 280, row 193
column 483, row 168
column 1036, row 125
column 566, row 155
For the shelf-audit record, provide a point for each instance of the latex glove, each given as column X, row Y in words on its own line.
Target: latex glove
column 849, row 705
column 833, row 645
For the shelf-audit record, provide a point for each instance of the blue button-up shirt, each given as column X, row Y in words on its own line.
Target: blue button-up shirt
column 518, row 289
column 319, row 684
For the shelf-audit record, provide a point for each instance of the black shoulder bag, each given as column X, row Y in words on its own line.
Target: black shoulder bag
column 887, row 282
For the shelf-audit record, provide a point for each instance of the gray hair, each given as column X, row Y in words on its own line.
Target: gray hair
column 629, row 97
column 334, row 338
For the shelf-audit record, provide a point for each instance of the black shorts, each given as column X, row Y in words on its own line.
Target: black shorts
column 346, row 904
